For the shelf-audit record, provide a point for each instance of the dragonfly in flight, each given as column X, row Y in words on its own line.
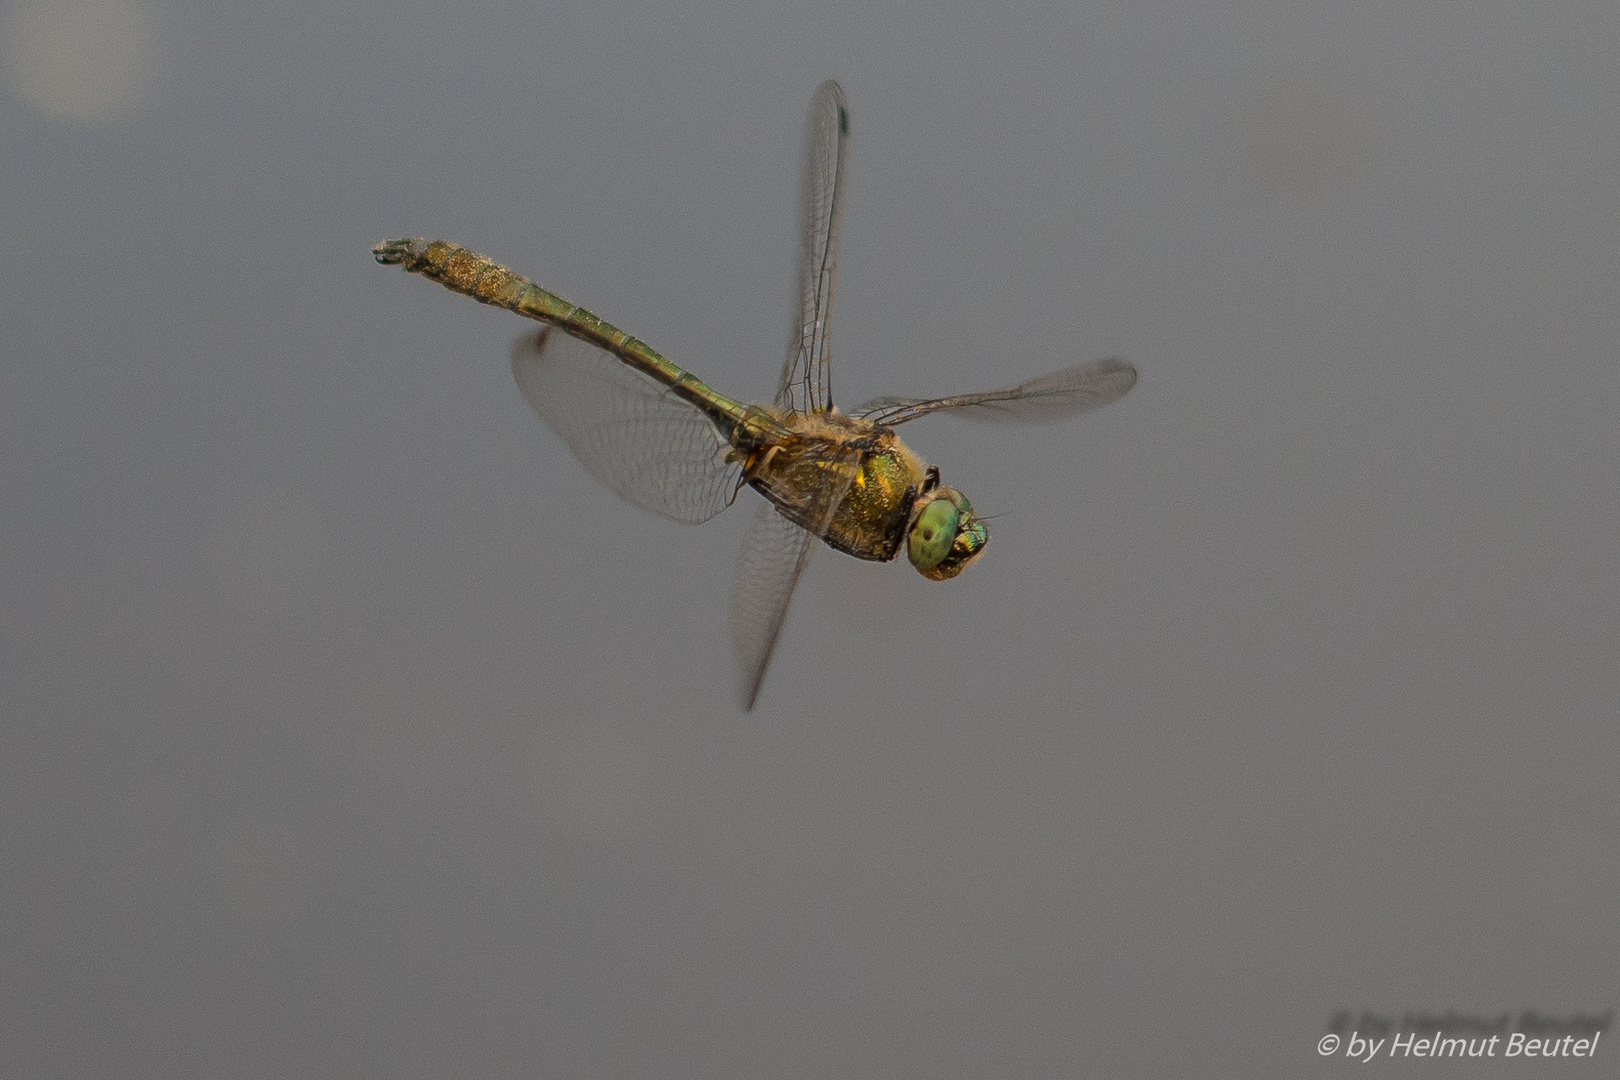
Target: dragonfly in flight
column 667, row 442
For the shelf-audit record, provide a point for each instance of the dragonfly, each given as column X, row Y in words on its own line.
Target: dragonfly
column 666, row 442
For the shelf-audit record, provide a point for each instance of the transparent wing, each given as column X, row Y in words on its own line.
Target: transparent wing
column 806, row 384
column 774, row 553
column 655, row 450
column 1050, row 397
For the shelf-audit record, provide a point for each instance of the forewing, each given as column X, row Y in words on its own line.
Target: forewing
column 655, row 450
column 806, row 384
column 774, row 553
column 1050, row 397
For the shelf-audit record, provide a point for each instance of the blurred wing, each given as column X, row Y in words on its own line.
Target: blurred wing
column 774, row 553
column 1050, row 397
column 806, row 384
column 655, row 450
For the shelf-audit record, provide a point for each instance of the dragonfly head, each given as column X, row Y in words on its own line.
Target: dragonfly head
column 945, row 534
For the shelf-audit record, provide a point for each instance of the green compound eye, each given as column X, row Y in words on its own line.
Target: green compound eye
column 932, row 535
column 945, row 536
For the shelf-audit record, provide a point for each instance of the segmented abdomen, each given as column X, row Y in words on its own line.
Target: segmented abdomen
column 471, row 274
column 456, row 268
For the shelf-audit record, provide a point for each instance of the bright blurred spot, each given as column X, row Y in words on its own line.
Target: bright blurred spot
column 81, row 61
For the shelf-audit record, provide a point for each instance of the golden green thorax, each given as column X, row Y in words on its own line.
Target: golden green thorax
column 848, row 481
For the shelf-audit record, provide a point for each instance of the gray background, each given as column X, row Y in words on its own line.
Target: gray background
column 350, row 729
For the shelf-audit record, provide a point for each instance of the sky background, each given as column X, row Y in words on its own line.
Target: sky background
column 348, row 728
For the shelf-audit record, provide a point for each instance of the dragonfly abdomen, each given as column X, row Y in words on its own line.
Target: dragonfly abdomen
column 465, row 271
column 457, row 269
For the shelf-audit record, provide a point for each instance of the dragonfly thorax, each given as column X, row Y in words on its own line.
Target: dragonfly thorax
column 849, row 482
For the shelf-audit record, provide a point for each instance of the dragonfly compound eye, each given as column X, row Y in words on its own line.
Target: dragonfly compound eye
column 945, row 535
